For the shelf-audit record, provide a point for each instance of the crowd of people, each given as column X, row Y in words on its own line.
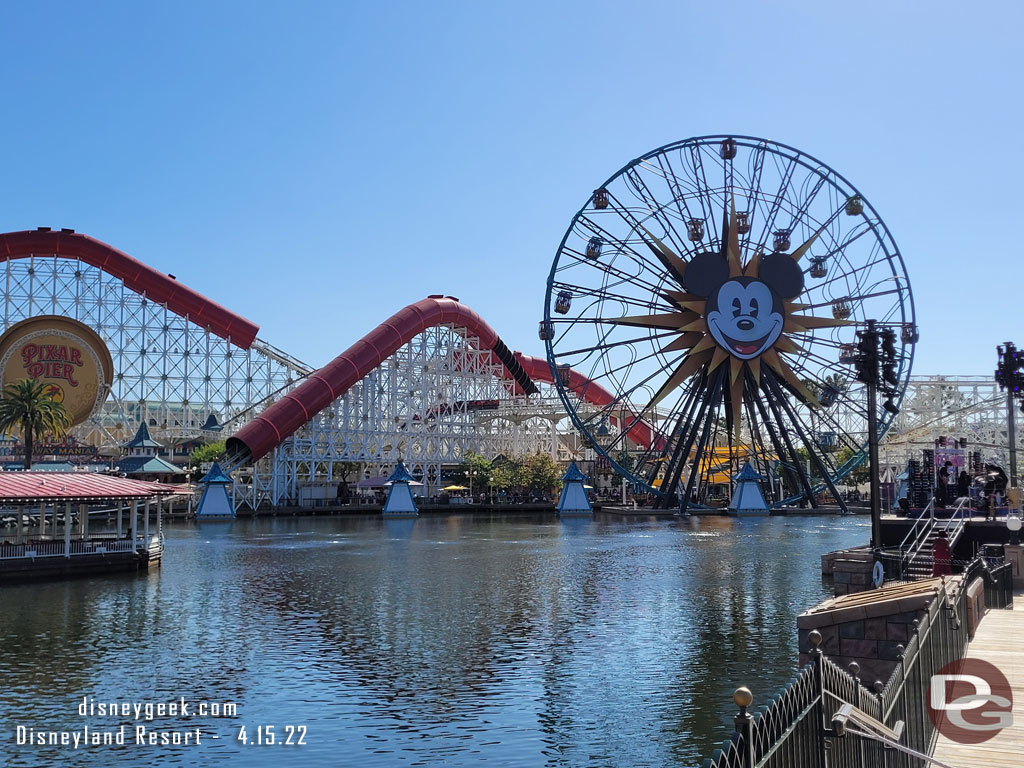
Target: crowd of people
column 987, row 492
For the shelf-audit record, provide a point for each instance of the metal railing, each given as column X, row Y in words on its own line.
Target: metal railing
column 955, row 524
column 56, row 548
column 998, row 582
column 794, row 728
column 918, row 533
column 914, row 549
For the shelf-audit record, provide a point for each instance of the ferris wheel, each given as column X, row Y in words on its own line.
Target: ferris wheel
column 701, row 313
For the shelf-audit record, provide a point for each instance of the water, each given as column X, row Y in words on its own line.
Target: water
column 459, row 641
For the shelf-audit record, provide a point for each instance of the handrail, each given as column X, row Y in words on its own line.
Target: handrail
column 60, row 548
column 930, row 511
column 960, row 518
column 953, row 527
column 909, row 553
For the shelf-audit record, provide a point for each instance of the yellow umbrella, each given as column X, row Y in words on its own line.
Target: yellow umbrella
column 454, row 488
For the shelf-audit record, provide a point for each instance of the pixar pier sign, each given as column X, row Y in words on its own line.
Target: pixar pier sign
column 52, row 361
column 66, row 355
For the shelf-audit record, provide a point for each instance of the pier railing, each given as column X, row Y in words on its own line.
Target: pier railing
column 795, row 728
column 56, row 548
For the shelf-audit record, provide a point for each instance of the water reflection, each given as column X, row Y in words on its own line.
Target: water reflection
column 521, row 641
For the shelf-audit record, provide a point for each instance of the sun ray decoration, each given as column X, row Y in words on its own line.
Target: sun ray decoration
column 747, row 357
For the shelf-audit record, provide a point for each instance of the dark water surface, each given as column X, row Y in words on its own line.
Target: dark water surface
column 441, row 641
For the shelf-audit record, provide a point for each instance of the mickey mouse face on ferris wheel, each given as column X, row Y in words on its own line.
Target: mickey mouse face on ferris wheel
column 745, row 314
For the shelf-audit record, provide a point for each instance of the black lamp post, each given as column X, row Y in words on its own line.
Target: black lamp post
column 876, row 369
column 1010, row 378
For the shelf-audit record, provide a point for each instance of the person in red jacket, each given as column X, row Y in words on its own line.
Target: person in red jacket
column 942, row 559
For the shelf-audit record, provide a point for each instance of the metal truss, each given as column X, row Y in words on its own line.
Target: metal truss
column 168, row 371
column 436, row 398
column 970, row 408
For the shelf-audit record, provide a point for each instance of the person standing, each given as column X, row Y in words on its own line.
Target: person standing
column 963, row 484
column 942, row 486
column 942, row 558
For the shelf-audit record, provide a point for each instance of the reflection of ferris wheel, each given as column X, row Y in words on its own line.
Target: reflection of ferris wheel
column 702, row 310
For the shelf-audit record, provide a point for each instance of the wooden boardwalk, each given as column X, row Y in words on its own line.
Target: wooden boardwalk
column 998, row 641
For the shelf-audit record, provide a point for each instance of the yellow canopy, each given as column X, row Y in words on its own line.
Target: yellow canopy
column 454, row 488
column 714, row 464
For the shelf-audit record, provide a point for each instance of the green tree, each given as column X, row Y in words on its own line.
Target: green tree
column 501, row 477
column 344, row 469
column 28, row 405
column 479, row 471
column 542, row 474
column 208, row 453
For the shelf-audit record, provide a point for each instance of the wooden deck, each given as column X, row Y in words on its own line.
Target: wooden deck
column 997, row 641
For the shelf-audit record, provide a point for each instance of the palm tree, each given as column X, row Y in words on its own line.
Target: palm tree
column 28, row 405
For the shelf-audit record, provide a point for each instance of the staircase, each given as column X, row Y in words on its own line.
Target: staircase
column 920, row 566
column 915, row 552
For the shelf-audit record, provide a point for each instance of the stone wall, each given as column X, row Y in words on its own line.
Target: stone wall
column 850, row 569
column 873, row 642
column 869, row 628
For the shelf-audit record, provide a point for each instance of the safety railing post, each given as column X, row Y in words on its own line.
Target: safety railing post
column 817, row 660
column 744, row 722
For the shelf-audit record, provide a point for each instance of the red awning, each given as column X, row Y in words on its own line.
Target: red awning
column 82, row 487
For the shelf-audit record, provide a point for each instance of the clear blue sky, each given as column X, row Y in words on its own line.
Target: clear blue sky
column 317, row 166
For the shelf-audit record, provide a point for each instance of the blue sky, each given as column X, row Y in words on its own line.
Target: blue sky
column 317, row 166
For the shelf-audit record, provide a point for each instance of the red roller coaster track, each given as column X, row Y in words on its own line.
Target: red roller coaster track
column 283, row 418
column 140, row 278
column 295, row 409
column 591, row 392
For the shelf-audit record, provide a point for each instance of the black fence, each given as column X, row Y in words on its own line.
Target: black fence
column 794, row 729
column 998, row 585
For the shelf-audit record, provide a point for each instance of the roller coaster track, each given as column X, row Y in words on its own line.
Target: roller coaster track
column 320, row 388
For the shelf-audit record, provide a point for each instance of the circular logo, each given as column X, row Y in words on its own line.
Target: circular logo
column 66, row 355
column 970, row 701
column 55, row 391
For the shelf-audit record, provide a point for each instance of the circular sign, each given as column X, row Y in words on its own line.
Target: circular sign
column 68, row 356
column 970, row 701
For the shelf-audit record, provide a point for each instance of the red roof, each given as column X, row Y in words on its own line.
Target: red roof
column 39, row 487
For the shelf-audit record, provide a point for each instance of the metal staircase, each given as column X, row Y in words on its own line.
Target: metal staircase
column 915, row 557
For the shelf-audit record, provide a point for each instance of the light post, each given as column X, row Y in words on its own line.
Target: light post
column 876, row 369
column 1013, row 523
column 1010, row 378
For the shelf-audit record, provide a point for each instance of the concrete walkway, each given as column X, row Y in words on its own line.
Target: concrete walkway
column 999, row 641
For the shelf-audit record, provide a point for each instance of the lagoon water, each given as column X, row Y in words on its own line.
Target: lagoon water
column 460, row 641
